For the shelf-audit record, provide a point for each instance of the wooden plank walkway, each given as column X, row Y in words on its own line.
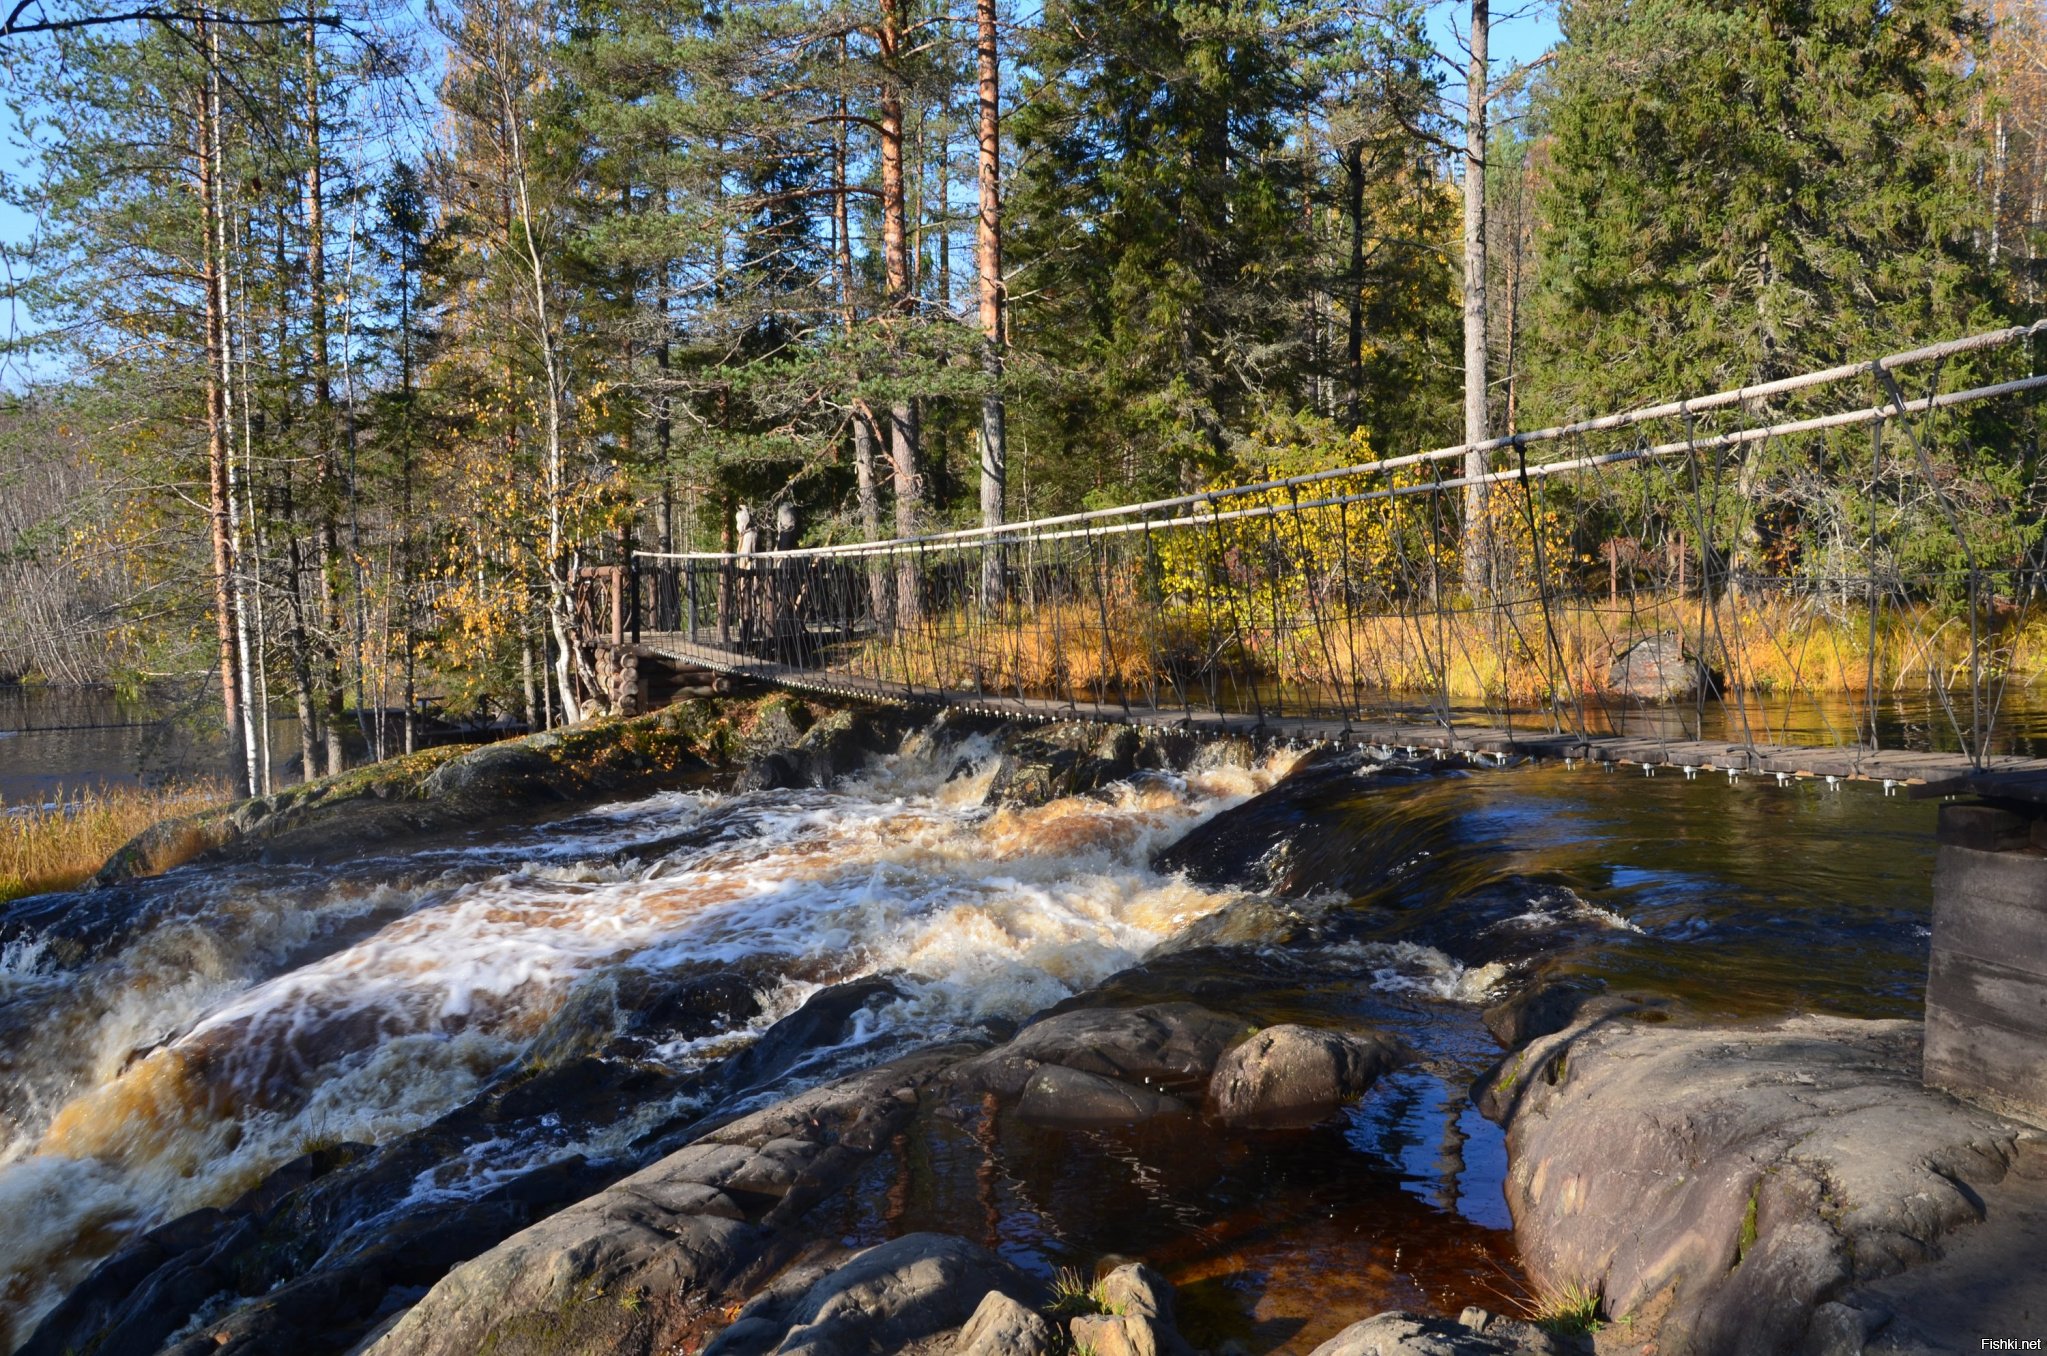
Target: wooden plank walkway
column 1925, row 773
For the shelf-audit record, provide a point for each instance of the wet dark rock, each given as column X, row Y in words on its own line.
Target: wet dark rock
column 1060, row 1096
column 1545, row 1008
column 1299, row 1075
column 1000, row 1326
column 824, row 1020
column 1716, row 1186
column 621, row 1012
column 908, row 1294
column 1335, row 823
column 649, row 1262
column 776, row 771
column 1404, row 1334
column 841, row 743
column 1042, row 763
column 1167, row 1047
column 1657, row 668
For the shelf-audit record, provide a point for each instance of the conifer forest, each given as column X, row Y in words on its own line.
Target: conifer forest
column 347, row 337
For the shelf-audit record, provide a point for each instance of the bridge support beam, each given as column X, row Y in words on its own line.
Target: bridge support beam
column 1986, row 990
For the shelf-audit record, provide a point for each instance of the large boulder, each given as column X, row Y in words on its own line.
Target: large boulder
column 1718, row 1187
column 908, row 1294
column 1657, row 669
column 653, row 1261
column 1299, row 1075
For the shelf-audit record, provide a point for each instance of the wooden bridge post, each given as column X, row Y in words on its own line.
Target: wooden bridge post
column 617, row 573
column 1986, row 990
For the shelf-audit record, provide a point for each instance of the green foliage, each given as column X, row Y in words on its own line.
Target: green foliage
column 1738, row 192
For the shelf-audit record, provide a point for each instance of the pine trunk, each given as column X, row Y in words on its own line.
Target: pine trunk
column 1477, row 534
column 988, row 263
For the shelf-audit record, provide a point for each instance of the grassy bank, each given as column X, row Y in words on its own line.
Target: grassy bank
column 59, row 844
column 1518, row 652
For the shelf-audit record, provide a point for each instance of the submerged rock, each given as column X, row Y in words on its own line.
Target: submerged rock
column 1299, row 1075
column 1166, row 1047
column 1476, row 1334
column 1716, row 1187
column 1057, row 1095
column 309, row 1258
column 1547, row 1007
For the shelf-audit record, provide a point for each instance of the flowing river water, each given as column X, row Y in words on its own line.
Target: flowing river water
column 199, row 1030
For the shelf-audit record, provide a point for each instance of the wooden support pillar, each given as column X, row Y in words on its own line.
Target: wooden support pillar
column 618, row 605
column 1986, row 989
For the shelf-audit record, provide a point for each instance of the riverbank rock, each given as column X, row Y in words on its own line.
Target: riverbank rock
column 1476, row 1333
column 1299, row 1075
column 1721, row 1188
column 1002, row 1327
column 1078, row 1067
column 1657, row 669
column 910, row 1294
column 654, row 1260
column 448, row 790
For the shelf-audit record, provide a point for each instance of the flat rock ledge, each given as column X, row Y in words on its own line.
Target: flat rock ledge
column 660, row 1258
column 1731, row 1190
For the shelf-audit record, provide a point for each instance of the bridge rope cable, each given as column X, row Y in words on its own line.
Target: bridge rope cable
column 1331, row 601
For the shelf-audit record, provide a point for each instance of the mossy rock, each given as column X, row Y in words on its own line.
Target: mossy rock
column 449, row 789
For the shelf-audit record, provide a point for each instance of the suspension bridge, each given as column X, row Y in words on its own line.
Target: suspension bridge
column 1834, row 575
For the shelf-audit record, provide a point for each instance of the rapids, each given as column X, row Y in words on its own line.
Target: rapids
column 261, row 1011
column 165, row 1046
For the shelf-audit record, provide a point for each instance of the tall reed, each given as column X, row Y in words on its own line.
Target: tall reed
column 1518, row 652
column 58, row 843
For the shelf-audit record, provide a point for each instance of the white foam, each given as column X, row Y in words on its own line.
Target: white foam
column 898, row 872
column 1559, row 905
column 1409, row 967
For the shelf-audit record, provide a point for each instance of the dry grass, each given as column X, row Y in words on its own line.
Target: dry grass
column 1769, row 645
column 60, row 844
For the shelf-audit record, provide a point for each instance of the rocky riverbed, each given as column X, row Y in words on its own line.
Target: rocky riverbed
column 763, row 1027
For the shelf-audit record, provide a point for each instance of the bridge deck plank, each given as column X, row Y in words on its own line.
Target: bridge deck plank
column 1928, row 773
